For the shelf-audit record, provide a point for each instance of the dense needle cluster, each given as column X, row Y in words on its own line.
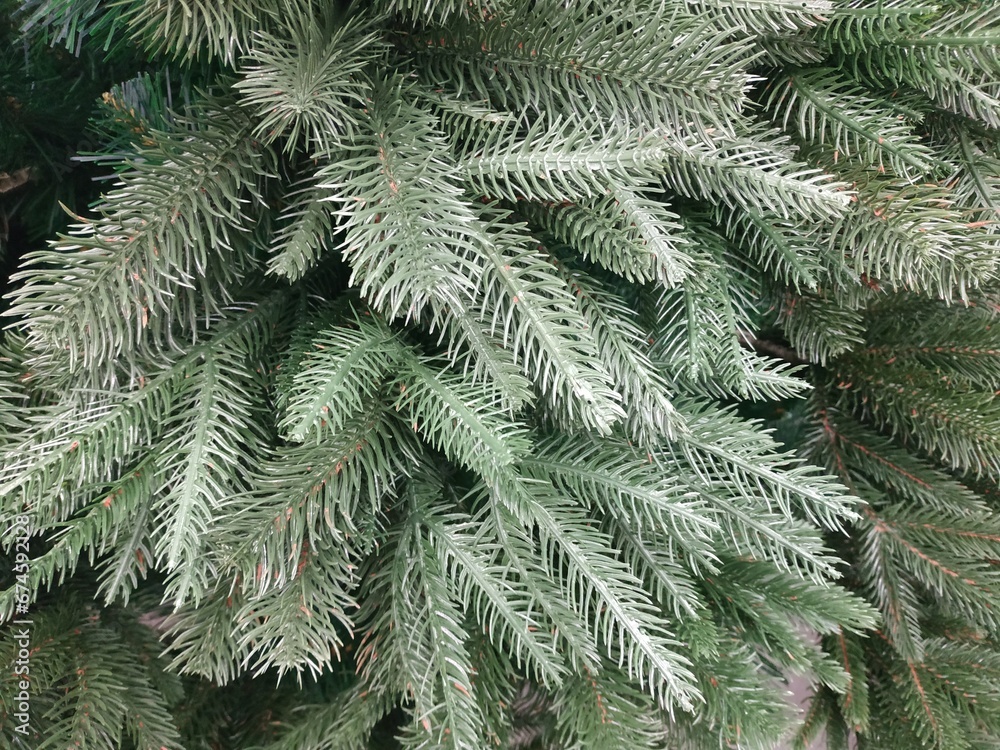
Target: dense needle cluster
column 398, row 383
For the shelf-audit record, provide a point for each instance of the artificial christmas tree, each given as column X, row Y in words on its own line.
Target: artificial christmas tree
column 400, row 383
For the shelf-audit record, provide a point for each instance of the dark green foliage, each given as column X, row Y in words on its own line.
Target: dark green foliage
column 397, row 383
column 47, row 96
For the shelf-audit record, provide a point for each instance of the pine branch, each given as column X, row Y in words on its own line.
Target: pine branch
column 84, row 438
column 305, row 235
column 298, row 627
column 622, row 345
column 340, row 374
column 534, row 313
column 411, row 235
column 318, row 493
column 308, row 84
column 560, row 161
column 481, row 582
column 783, row 249
column 545, row 56
column 606, row 590
column 853, row 702
column 635, row 238
column 755, row 172
column 342, row 724
column 828, row 109
column 468, row 427
column 425, row 646
column 766, row 17
column 132, row 272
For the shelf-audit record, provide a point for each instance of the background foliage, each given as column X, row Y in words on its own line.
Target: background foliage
column 401, row 380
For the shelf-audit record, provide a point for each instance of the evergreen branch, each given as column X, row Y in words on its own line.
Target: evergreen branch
column 317, row 494
column 132, row 556
column 752, row 172
column 461, row 463
column 604, row 710
column 760, row 717
column 826, row 108
column 975, row 177
column 524, row 298
column 853, row 702
column 817, row 717
column 165, row 248
column 940, row 339
column 560, row 160
column 482, row 583
column 931, row 721
column 344, row 723
column 410, row 232
column 309, row 84
column 653, row 225
column 785, row 250
column 966, row 585
column 521, row 554
column 636, row 238
column 766, row 17
column 338, row 376
column 893, row 470
column 442, row 10
column 652, row 560
column 721, row 447
column 959, row 428
column 820, row 327
column 623, row 346
column 544, row 56
column 94, row 532
column 463, row 118
column 203, row 447
column 951, row 57
column 303, row 237
column 775, row 594
column 892, row 593
column 68, row 24
column 773, row 633
column 467, row 425
column 614, row 479
column 203, row 639
column 99, row 693
column 697, row 338
column 297, row 627
column 82, row 441
column 913, row 238
column 857, row 24
column 429, row 642
column 188, row 29
column 474, row 350
column 792, row 546
column 607, row 592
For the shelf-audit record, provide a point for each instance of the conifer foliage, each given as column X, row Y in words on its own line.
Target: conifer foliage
column 396, row 381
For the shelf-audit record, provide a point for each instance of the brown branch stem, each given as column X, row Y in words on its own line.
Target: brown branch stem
column 771, row 348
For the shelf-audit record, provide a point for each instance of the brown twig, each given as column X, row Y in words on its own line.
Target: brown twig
column 14, row 180
column 763, row 346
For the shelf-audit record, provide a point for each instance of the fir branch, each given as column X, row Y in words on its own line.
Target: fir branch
column 308, row 85
column 828, row 109
column 631, row 236
column 546, row 55
column 132, row 272
column 755, row 172
column 606, row 590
